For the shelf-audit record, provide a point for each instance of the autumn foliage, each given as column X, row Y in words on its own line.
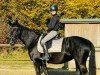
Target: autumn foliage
column 33, row 13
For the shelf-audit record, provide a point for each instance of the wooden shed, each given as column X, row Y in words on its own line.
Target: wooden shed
column 87, row 28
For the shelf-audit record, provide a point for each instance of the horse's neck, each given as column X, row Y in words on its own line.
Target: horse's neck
column 28, row 38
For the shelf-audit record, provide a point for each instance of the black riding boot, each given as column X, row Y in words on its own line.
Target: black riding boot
column 46, row 56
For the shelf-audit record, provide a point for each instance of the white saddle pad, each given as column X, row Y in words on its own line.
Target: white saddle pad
column 56, row 46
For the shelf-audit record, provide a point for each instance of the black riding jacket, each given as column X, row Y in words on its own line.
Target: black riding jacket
column 54, row 23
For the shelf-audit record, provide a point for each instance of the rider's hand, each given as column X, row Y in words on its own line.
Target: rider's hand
column 44, row 32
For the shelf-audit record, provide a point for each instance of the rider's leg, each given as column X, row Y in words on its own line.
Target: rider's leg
column 48, row 37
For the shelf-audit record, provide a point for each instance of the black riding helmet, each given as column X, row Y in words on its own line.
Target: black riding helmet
column 54, row 7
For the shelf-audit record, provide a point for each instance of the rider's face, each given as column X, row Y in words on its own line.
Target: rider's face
column 53, row 12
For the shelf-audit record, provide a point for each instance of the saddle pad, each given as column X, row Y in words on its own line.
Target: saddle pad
column 56, row 46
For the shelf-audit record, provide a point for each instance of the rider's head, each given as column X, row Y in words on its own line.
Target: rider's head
column 54, row 9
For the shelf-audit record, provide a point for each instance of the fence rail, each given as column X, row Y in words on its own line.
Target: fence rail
column 8, row 45
column 22, row 45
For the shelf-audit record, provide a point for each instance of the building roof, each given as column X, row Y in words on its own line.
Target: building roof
column 88, row 21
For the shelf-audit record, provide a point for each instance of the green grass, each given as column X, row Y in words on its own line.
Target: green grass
column 15, row 59
column 15, row 64
column 18, row 54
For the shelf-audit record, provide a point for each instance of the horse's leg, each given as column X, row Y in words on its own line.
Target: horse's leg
column 37, row 68
column 82, row 68
column 65, row 66
column 44, row 67
column 79, row 65
column 81, row 61
column 77, row 68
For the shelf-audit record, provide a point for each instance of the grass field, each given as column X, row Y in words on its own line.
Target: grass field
column 18, row 63
column 27, row 68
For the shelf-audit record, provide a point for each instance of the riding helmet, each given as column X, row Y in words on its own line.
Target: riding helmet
column 54, row 7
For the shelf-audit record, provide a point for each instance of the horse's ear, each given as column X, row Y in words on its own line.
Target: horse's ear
column 10, row 21
column 16, row 23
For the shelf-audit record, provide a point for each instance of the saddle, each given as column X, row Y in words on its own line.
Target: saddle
column 54, row 45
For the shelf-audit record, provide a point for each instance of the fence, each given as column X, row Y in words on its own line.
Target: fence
column 8, row 45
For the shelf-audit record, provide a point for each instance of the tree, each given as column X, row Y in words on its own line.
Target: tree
column 33, row 13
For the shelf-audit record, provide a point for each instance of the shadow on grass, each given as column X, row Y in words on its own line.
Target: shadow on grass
column 60, row 72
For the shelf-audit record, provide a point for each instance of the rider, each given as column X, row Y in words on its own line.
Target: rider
column 53, row 27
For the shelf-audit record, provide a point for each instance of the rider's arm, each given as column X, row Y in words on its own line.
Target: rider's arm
column 53, row 23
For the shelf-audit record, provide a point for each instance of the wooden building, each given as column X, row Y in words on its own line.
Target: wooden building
column 87, row 28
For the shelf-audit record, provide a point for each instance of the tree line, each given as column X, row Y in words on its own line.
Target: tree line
column 34, row 13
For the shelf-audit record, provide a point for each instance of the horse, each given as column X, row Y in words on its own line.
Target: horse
column 73, row 47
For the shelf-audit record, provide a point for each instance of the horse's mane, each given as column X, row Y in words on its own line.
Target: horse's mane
column 26, row 28
column 23, row 27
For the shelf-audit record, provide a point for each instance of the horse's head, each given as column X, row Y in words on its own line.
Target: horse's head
column 14, row 35
column 15, row 30
column 18, row 31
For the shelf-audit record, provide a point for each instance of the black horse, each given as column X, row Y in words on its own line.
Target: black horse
column 73, row 47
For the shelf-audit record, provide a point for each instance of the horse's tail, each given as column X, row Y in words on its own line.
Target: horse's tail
column 92, row 62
